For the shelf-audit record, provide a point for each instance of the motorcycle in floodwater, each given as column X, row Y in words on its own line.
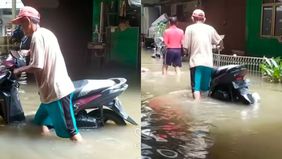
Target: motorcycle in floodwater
column 160, row 49
column 228, row 83
column 10, row 105
column 95, row 101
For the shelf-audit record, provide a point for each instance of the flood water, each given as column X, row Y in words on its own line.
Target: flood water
column 173, row 126
column 23, row 140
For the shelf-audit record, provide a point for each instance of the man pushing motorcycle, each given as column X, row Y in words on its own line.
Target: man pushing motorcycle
column 198, row 40
column 54, row 84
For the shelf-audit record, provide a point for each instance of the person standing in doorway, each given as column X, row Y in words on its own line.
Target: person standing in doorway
column 198, row 40
column 173, row 38
column 49, row 68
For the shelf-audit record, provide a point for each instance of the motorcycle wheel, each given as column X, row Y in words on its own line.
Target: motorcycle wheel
column 108, row 115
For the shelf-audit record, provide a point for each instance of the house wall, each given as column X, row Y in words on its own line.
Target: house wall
column 228, row 18
column 71, row 22
column 97, row 10
column 123, row 46
column 257, row 45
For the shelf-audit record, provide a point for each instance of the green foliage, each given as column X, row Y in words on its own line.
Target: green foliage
column 272, row 69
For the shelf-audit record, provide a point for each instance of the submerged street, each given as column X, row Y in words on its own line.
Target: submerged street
column 173, row 126
column 23, row 140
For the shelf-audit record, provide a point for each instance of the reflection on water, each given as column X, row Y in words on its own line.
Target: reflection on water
column 174, row 124
column 23, row 140
column 211, row 129
column 167, row 132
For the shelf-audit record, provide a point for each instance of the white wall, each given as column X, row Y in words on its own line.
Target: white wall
column 148, row 16
column 6, row 20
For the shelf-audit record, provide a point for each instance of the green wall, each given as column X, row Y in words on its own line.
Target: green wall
column 97, row 9
column 96, row 13
column 125, row 46
column 256, row 45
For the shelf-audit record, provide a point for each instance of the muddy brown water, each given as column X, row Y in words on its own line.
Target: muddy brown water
column 23, row 140
column 173, row 126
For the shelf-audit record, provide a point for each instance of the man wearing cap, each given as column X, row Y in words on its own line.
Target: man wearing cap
column 198, row 40
column 54, row 84
column 173, row 37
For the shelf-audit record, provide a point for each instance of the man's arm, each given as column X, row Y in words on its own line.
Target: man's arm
column 186, row 41
column 165, row 38
column 220, row 46
column 28, row 69
column 217, row 40
column 185, row 51
column 24, row 52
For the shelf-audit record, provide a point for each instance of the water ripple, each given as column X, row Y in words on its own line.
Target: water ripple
column 167, row 134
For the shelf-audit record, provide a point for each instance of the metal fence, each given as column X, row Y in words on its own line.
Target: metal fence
column 252, row 63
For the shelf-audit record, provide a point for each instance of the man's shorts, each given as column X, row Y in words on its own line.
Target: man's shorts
column 173, row 57
column 200, row 78
column 58, row 115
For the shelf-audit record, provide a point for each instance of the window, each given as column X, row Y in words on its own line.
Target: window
column 7, row 11
column 266, row 20
column 271, row 20
column 278, row 21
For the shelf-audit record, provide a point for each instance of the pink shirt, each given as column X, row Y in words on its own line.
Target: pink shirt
column 173, row 37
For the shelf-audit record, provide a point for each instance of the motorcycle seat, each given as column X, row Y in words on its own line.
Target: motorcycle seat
column 223, row 69
column 86, row 87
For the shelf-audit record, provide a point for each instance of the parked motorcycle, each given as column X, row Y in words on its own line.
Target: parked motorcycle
column 229, row 84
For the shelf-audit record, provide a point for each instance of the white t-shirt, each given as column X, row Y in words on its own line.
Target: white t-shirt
column 198, row 39
column 52, row 80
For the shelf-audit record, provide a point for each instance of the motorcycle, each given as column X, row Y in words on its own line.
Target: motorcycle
column 10, row 105
column 160, row 49
column 102, row 96
column 95, row 101
column 228, row 83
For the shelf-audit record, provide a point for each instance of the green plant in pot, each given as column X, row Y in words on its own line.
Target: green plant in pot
column 272, row 69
